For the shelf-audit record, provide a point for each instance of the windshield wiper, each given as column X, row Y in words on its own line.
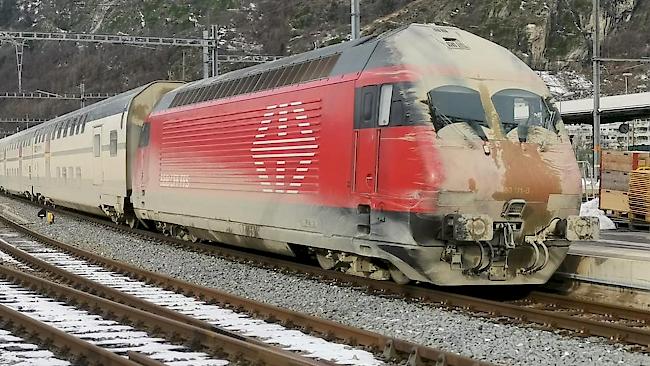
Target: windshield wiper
column 446, row 120
column 474, row 124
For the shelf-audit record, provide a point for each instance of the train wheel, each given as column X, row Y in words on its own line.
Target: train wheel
column 325, row 261
column 398, row 276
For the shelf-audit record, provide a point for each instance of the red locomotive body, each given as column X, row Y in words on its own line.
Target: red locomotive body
column 424, row 154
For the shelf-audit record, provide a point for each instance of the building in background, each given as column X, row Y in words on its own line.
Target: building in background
column 613, row 137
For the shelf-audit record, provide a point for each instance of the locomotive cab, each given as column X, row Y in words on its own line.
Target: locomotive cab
column 497, row 191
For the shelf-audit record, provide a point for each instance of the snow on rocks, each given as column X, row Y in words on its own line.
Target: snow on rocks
column 107, row 334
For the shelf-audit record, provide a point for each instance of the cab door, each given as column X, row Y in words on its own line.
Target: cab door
column 372, row 114
column 366, row 142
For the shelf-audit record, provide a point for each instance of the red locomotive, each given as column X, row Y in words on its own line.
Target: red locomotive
column 425, row 154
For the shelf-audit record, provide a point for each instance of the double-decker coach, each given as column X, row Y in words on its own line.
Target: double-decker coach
column 82, row 160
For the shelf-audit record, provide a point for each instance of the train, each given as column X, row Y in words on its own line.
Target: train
column 424, row 154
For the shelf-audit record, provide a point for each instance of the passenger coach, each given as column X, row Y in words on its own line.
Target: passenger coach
column 82, row 160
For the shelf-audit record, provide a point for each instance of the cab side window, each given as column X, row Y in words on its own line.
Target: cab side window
column 366, row 111
column 379, row 106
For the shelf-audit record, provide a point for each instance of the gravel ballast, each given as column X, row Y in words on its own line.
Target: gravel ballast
column 448, row 330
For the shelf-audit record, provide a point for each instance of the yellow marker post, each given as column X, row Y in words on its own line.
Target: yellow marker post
column 50, row 218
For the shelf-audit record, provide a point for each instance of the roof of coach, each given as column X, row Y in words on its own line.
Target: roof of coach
column 95, row 111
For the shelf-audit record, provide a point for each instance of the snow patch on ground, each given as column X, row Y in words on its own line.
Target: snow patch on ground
column 590, row 208
column 567, row 85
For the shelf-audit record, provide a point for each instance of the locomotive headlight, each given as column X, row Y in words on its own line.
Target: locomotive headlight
column 582, row 228
column 477, row 227
column 472, row 227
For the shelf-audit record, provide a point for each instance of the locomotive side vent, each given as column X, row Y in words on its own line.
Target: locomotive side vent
column 289, row 74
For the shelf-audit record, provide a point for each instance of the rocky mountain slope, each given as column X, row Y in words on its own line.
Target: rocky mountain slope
column 550, row 35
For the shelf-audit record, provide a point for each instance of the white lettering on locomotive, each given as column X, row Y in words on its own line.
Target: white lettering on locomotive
column 175, row 180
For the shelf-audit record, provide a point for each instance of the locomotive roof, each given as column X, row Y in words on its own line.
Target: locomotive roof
column 338, row 59
column 415, row 44
column 318, row 53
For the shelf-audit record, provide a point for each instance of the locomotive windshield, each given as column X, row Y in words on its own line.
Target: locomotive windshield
column 523, row 110
column 516, row 113
column 454, row 104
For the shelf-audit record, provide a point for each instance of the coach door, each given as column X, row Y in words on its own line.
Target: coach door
column 372, row 112
column 98, row 169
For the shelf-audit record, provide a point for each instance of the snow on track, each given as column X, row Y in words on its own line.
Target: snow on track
column 107, row 334
column 15, row 351
column 270, row 333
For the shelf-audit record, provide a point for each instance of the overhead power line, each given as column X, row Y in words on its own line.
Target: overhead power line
column 66, row 96
column 21, row 120
column 122, row 39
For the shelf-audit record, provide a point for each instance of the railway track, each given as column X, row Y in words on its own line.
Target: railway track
column 582, row 318
column 18, row 351
column 76, row 333
column 207, row 314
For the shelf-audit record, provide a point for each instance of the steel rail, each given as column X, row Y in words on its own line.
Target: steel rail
column 236, row 348
column 109, row 293
column 391, row 347
column 55, row 338
column 143, row 359
column 553, row 319
column 585, row 306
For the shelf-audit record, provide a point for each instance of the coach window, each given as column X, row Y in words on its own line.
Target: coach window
column 113, row 146
column 58, row 172
column 78, row 176
column 65, row 128
column 64, row 174
column 385, row 100
column 83, row 124
column 97, row 147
